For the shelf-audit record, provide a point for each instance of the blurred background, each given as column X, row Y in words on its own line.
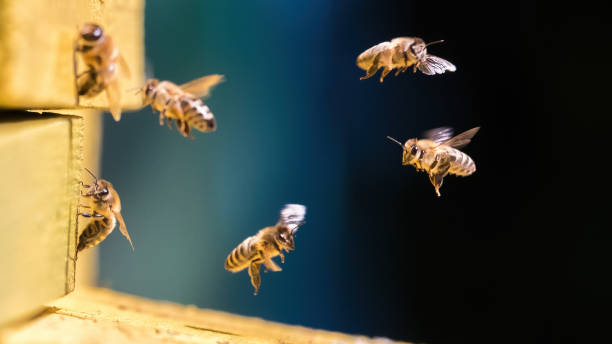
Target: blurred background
column 519, row 250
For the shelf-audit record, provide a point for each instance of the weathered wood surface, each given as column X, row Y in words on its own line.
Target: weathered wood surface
column 40, row 160
column 36, row 41
column 104, row 316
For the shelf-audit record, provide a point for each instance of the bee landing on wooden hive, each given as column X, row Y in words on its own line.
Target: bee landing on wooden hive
column 402, row 53
column 182, row 103
column 267, row 244
column 104, row 64
column 438, row 154
column 105, row 212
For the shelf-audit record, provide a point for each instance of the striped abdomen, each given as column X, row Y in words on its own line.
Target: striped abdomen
column 197, row 115
column 461, row 163
column 96, row 231
column 241, row 256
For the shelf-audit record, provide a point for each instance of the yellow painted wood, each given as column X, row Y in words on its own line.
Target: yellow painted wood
column 40, row 160
column 36, row 40
column 103, row 316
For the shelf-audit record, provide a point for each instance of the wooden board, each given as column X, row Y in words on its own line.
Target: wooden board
column 36, row 40
column 40, row 160
column 104, row 316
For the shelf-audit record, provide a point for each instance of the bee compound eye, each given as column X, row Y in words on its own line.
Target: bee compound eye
column 94, row 34
column 414, row 150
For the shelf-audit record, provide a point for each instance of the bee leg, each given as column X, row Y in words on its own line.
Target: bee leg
column 282, row 256
column 384, row 73
column 162, row 116
column 255, row 277
column 169, row 121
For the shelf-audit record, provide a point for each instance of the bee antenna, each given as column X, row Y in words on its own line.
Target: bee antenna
column 434, row 42
column 396, row 141
column 93, row 175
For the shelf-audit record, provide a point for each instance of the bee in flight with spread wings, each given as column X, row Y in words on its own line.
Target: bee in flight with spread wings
column 402, row 53
column 438, row 154
column 182, row 103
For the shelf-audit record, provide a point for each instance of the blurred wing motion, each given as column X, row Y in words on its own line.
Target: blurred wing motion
column 292, row 216
column 438, row 135
column 113, row 94
column 123, row 228
column 123, row 67
column 462, row 139
column 201, row 87
column 435, row 65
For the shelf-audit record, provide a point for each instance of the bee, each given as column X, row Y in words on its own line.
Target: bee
column 266, row 244
column 104, row 63
column 401, row 53
column 438, row 154
column 105, row 213
column 182, row 103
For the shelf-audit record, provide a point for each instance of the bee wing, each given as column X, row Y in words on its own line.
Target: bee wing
column 439, row 135
column 123, row 228
column 113, row 94
column 201, row 87
column 292, row 216
column 462, row 139
column 435, row 65
column 124, row 68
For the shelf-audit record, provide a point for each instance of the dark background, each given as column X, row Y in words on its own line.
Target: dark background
column 520, row 251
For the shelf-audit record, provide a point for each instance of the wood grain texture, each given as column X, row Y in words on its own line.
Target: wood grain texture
column 40, row 160
column 103, row 316
column 36, row 40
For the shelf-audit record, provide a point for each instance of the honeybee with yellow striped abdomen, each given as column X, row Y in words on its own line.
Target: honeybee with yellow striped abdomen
column 104, row 64
column 267, row 244
column 401, row 53
column 438, row 154
column 105, row 212
column 182, row 103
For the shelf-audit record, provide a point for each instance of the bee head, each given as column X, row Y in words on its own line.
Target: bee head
column 419, row 48
column 285, row 238
column 411, row 151
column 147, row 91
column 91, row 32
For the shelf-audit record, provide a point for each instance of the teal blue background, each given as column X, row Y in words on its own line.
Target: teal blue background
column 517, row 251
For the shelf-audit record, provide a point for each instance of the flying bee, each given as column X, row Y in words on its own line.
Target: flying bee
column 266, row 244
column 182, row 103
column 104, row 63
column 401, row 53
column 105, row 213
column 438, row 154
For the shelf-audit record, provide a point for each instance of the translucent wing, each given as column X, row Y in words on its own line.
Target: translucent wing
column 438, row 135
column 462, row 139
column 123, row 228
column 201, row 87
column 292, row 216
column 123, row 67
column 113, row 94
column 435, row 65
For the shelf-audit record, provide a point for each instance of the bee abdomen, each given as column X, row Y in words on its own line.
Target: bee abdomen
column 462, row 165
column 95, row 232
column 241, row 256
column 198, row 116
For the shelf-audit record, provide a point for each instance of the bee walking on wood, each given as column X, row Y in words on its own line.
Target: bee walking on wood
column 438, row 154
column 104, row 214
column 266, row 244
column 182, row 103
column 401, row 53
column 104, row 64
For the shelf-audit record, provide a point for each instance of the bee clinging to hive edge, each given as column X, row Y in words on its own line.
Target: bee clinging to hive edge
column 438, row 154
column 401, row 53
column 266, row 244
column 182, row 103
column 104, row 64
column 104, row 214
